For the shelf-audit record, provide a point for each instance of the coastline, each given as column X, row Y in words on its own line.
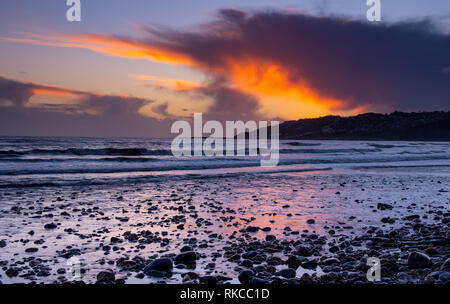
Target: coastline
column 314, row 227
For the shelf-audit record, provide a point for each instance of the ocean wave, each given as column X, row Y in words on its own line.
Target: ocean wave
column 87, row 152
column 83, row 160
column 10, row 153
column 422, row 152
column 29, row 183
column 299, row 144
column 153, row 152
column 399, row 166
column 212, row 163
column 328, row 151
column 383, row 146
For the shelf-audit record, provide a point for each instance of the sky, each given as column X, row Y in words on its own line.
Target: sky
column 131, row 68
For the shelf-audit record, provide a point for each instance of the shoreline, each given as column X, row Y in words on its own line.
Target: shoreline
column 317, row 227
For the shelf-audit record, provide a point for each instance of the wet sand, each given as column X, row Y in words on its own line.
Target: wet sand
column 315, row 227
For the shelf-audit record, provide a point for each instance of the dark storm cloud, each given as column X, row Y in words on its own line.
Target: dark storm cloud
column 230, row 104
column 114, row 105
column 19, row 94
column 399, row 66
column 227, row 103
column 92, row 115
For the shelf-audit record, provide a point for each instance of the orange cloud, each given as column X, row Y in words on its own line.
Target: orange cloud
column 265, row 78
column 109, row 45
column 168, row 83
column 262, row 78
column 128, row 48
column 278, row 94
column 49, row 91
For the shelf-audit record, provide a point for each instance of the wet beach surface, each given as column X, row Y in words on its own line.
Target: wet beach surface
column 315, row 227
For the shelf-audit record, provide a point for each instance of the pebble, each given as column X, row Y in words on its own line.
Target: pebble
column 287, row 273
column 252, row 229
column 31, row 250
column 164, row 264
column 418, row 260
column 186, row 257
column 245, row 276
column 50, row 226
column 186, row 248
column 446, row 265
column 106, row 276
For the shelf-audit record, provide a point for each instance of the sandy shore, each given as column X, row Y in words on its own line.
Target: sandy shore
column 316, row 227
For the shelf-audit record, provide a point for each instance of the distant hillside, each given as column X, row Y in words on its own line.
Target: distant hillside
column 426, row 126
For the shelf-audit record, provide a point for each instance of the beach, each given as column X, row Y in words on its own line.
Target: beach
column 244, row 225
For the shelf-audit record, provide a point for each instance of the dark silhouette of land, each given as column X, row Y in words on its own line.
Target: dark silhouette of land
column 423, row 126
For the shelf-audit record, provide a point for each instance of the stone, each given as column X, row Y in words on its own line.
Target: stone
column 186, row 257
column 155, row 273
column 306, row 279
column 330, row 261
column 287, row 273
column 293, row 262
column 258, row 281
column 164, row 264
column 252, row 229
column 334, row 249
column 418, row 260
column 446, row 265
column 211, row 265
column 208, row 279
column 382, row 206
column 431, row 251
column 50, row 226
column 387, row 220
column 444, row 277
column 270, row 238
column 60, row 271
column 11, row 272
column 115, row 240
column 186, row 249
column 245, row 276
column 249, row 254
column 31, row 250
column 304, row 250
column 311, row 264
column 247, row 263
column 70, row 253
column 106, row 276
column 140, row 275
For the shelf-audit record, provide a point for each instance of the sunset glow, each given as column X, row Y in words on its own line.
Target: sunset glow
column 269, row 82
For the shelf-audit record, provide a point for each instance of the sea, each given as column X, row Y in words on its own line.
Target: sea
column 61, row 161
